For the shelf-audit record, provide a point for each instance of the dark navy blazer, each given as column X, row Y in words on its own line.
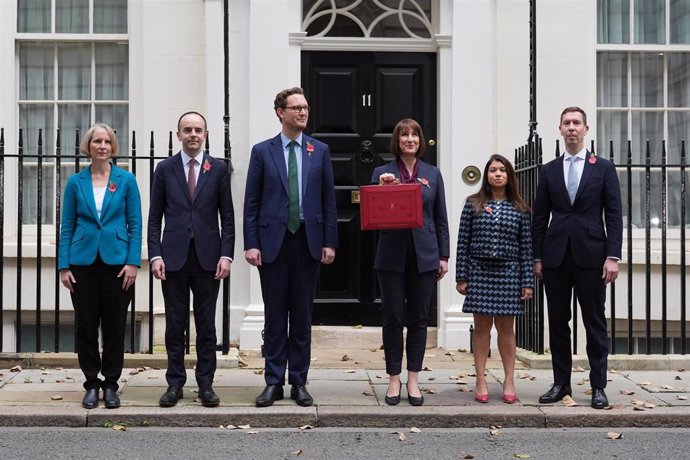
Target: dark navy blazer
column 593, row 224
column 431, row 241
column 115, row 236
column 266, row 200
column 187, row 218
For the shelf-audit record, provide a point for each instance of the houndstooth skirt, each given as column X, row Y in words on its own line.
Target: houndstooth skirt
column 494, row 288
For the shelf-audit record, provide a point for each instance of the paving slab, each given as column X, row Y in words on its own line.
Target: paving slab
column 71, row 417
column 666, row 417
column 344, row 393
column 338, row 374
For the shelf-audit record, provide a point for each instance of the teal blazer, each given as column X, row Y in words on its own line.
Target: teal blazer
column 116, row 236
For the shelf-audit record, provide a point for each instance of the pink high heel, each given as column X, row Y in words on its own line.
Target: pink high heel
column 509, row 399
column 481, row 398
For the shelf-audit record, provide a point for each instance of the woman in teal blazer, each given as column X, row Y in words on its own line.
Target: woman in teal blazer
column 99, row 254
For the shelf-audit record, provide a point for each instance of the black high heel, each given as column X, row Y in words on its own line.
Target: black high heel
column 393, row 400
column 414, row 400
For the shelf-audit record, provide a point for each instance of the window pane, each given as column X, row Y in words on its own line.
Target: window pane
column 33, row 16
column 70, row 118
column 112, row 71
column 613, row 126
column 678, row 129
column 647, row 126
column 678, row 79
column 32, row 118
column 612, row 79
column 110, row 16
column 72, row 16
column 74, row 71
column 613, row 21
column 650, row 21
column 647, row 79
column 36, row 71
column 680, row 21
column 117, row 116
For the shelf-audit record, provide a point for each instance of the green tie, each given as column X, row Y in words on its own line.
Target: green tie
column 293, row 190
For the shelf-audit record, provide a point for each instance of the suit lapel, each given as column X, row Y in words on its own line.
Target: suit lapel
column 306, row 161
column 203, row 174
column 278, row 156
column 178, row 167
column 560, row 178
column 86, row 188
column 586, row 174
column 114, row 182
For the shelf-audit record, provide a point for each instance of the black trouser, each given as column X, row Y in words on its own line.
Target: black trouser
column 405, row 298
column 176, row 290
column 591, row 295
column 99, row 300
column 287, row 287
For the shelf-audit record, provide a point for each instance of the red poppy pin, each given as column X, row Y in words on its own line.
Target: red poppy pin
column 489, row 209
column 310, row 148
column 112, row 187
column 592, row 158
column 424, row 182
column 206, row 166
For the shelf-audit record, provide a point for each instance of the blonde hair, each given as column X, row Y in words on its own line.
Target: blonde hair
column 86, row 140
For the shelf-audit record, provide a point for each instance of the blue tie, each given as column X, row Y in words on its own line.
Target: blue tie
column 573, row 181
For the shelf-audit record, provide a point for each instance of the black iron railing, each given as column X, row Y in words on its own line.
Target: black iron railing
column 657, row 298
column 140, row 165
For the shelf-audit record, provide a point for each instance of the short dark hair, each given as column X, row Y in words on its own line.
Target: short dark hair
column 191, row 112
column 280, row 101
column 573, row 109
column 404, row 126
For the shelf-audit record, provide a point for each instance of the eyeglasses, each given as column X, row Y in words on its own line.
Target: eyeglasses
column 298, row 108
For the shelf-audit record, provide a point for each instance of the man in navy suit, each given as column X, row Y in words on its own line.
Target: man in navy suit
column 290, row 228
column 191, row 190
column 579, row 247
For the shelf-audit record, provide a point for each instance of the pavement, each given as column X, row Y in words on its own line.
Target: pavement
column 348, row 386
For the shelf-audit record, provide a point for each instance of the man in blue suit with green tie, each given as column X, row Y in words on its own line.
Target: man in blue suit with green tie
column 290, row 228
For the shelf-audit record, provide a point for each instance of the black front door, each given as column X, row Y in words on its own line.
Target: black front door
column 357, row 99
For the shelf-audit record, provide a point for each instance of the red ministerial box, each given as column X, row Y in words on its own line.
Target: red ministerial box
column 385, row 207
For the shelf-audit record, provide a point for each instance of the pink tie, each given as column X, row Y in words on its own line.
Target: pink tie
column 191, row 177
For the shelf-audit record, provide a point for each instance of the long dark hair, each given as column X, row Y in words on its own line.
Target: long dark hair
column 482, row 197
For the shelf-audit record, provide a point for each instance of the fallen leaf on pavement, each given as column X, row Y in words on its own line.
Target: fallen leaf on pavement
column 56, row 398
column 414, row 429
column 640, row 408
column 401, row 436
column 521, row 456
column 676, row 378
column 367, row 393
column 568, row 401
column 306, row 427
column 345, row 358
column 431, row 379
column 152, row 377
column 357, row 326
column 681, row 397
column 638, row 402
column 244, row 427
column 296, row 452
column 349, row 371
column 381, row 377
column 462, row 350
column 494, row 433
column 465, row 390
column 581, row 382
column 252, row 432
column 614, row 435
column 627, row 392
column 681, row 369
column 241, row 362
column 59, row 381
column 466, row 456
column 373, row 350
column 588, row 392
column 119, row 428
column 259, row 371
column 649, row 405
column 667, row 387
column 578, row 369
column 449, row 353
column 427, row 368
column 16, row 368
column 645, row 383
column 231, row 427
column 430, row 391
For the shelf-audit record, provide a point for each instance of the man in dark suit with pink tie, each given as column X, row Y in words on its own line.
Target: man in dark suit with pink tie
column 191, row 190
column 290, row 228
column 577, row 237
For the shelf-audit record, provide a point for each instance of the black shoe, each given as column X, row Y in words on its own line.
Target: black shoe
column 414, row 400
column 393, row 400
column 208, row 397
column 171, row 396
column 90, row 400
column 271, row 394
column 111, row 399
column 599, row 399
column 555, row 394
column 300, row 394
